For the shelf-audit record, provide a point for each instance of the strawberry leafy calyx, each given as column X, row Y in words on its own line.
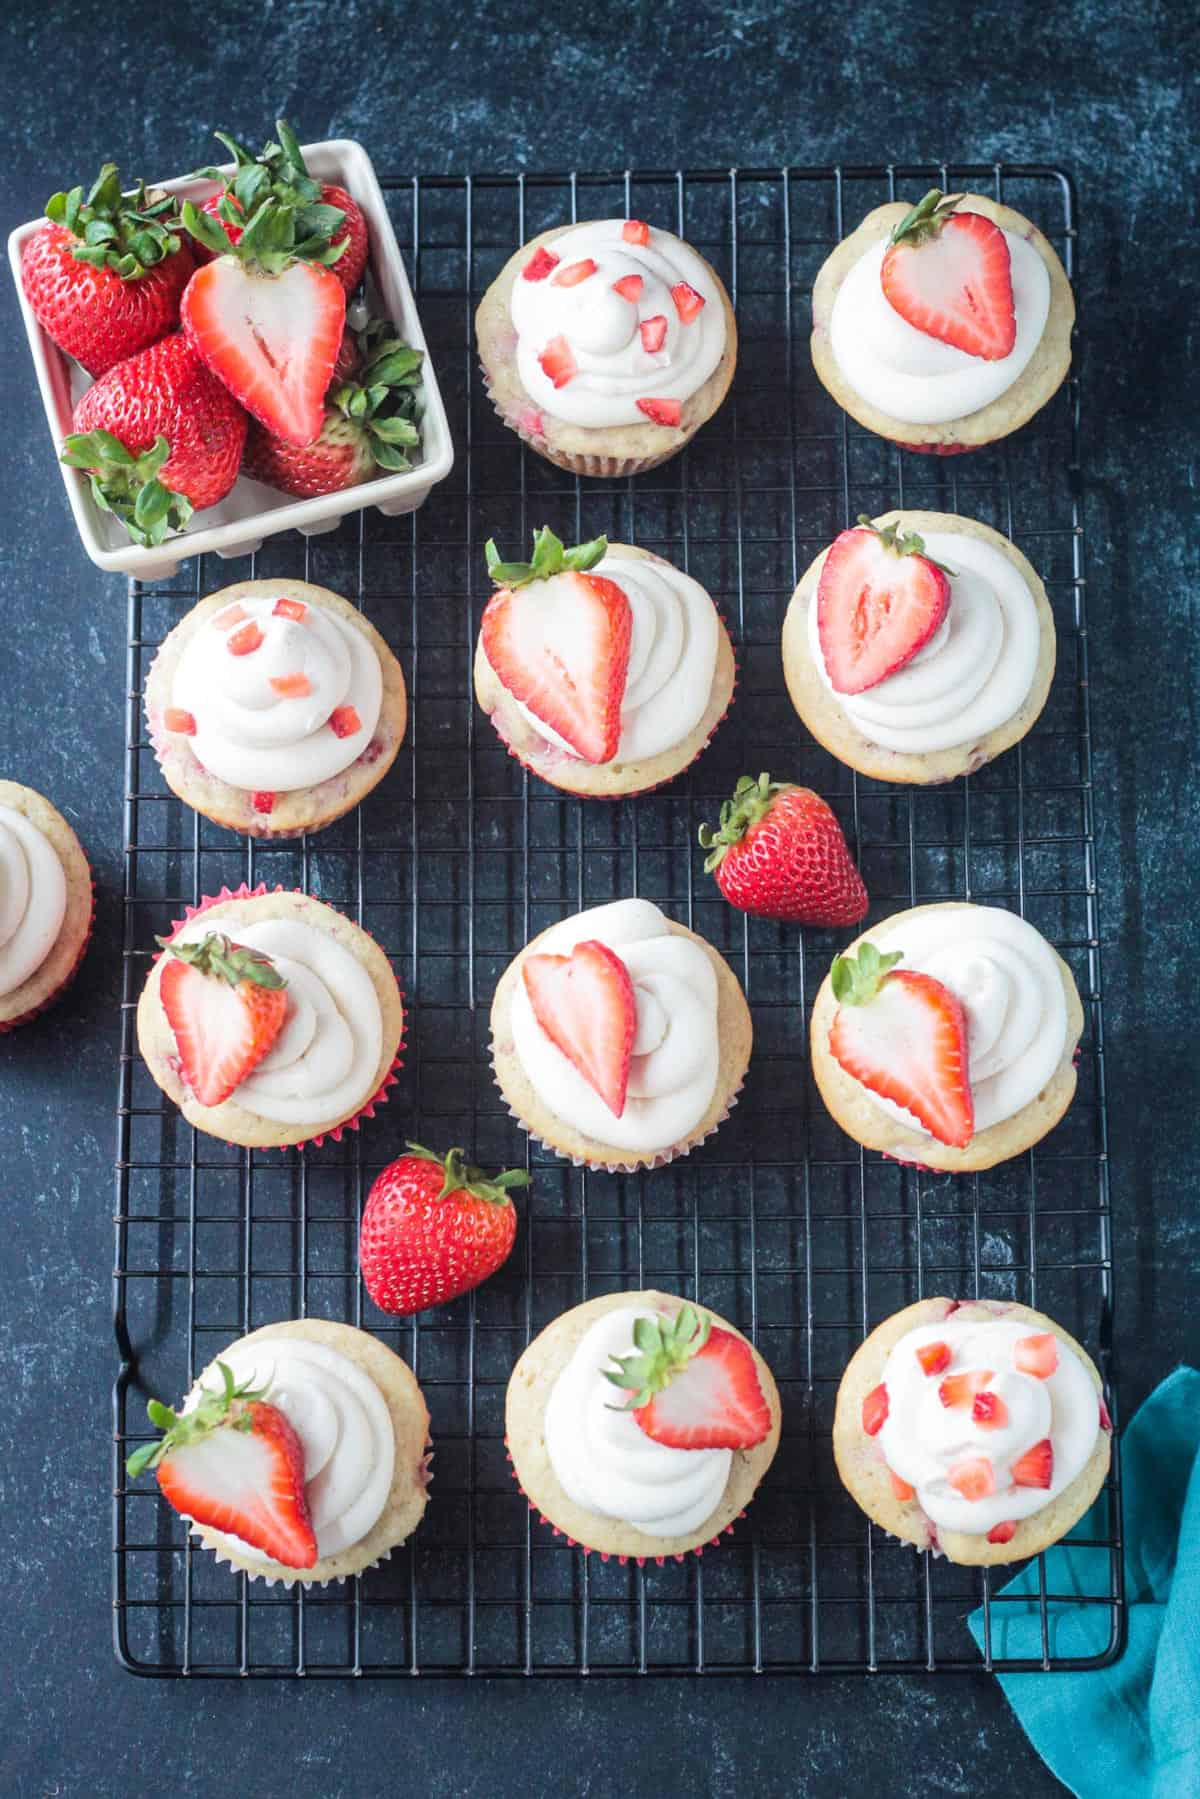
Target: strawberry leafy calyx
column 216, row 956
column 231, row 1406
column 752, row 800
column 856, row 981
column 383, row 396
column 128, row 486
column 126, row 232
column 902, row 543
column 277, row 173
column 461, row 1176
column 550, row 557
column 274, row 236
column 663, row 1347
column 926, row 218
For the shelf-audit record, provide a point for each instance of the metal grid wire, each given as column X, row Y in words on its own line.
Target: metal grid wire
column 780, row 1222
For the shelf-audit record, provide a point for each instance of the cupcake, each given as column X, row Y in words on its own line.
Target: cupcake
column 45, row 904
column 619, row 1038
column 270, row 1019
column 274, row 707
column 975, row 1428
column 605, row 346
column 604, row 669
column 918, row 646
column 946, row 1037
column 639, row 1425
column 300, row 1456
column 944, row 325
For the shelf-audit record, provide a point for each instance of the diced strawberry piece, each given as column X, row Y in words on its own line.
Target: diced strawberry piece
column 908, row 1043
column 876, row 608
column 1036, row 1467
column 574, row 273
column 291, row 687
column 635, row 231
column 955, row 284
column 540, row 264
column 181, row 722
column 295, row 609
column 1036, row 1355
column 875, row 1410
column 687, row 301
column 263, row 801
column 585, row 1004
column 661, row 412
column 224, row 1023
column 245, row 640
column 1105, row 1420
column 974, row 1478
column 630, row 288
column 654, row 336
column 561, row 647
column 232, row 615
column 989, row 1411
column 558, row 363
column 960, row 1389
column 531, row 422
column 344, row 721
column 1003, row 1532
column 247, row 1482
column 715, row 1402
column 933, row 1357
column 901, row 1489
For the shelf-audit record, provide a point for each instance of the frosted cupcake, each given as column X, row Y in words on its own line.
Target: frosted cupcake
column 300, row 1456
column 953, row 669
column 274, row 707
column 640, row 1426
column 620, row 1038
column 604, row 669
column 974, row 1428
column 606, row 345
column 45, row 904
column 270, row 1019
column 944, row 325
column 946, row 1037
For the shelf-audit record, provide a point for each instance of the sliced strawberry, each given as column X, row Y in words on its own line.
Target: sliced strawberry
column 875, row 1410
column 574, row 273
column 960, row 1389
column 561, row 647
column 1036, row 1467
column 245, row 640
column 295, row 609
column 558, row 364
column 585, row 1004
column 231, row 616
column 904, row 1036
column 293, row 686
column 272, row 339
column 974, row 1477
column 654, row 334
column 879, row 600
column 247, row 1482
column 949, row 274
column 181, row 722
column 226, row 1005
column 661, row 412
column 1004, row 1532
column 1105, row 1420
column 687, row 301
column 540, row 264
column 635, row 231
column 989, row 1411
column 262, row 801
column 933, row 1357
column 714, row 1402
column 1036, row 1355
column 629, row 287
column 901, row 1489
column 344, row 721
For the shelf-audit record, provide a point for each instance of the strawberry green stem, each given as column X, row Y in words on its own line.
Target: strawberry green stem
column 752, row 800
column 549, row 558
column 856, row 982
column 901, row 542
column 663, row 1348
column 128, row 233
column 215, row 955
column 926, row 218
column 211, row 1411
column 128, row 486
column 461, row 1176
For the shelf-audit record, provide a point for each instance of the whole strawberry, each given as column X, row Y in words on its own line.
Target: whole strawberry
column 779, row 852
column 434, row 1227
column 160, row 437
column 105, row 274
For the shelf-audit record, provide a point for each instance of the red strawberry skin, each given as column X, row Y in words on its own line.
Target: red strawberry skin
column 271, row 1513
column 167, row 391
column 92, row 314
column 420, row 1247
column 909, row 1044
column 793, row 864
column 561, row 647
column 956, row 285
column 338, row 458
column 875, row 609
column 584, row 1003
column 715, row 1403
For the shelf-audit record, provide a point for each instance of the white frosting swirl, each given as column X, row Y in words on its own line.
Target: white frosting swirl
column 1006, row 977
column 256, row 738
column 344, row 1427
column 33, row 899
column 325, row 1060
column 917, row 378
column 922, row 1439
column 605, row 1463
column 603, row 328
column 676, row 1056
column 672, row 657
column 973, row 674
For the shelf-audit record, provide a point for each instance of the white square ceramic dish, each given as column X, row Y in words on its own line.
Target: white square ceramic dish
column 251, row 511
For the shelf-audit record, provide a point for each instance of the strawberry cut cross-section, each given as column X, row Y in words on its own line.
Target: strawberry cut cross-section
column 561, row 647
column 585, row 1004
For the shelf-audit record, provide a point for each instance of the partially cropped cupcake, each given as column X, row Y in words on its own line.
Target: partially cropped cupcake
column 943, row 325
column 606, row 345
column 45, row 904
column 946, row 1037
column 918, row 646
column 301, row 1454
column 604, row 669
column 640, row 1426
column 274, row 707
column 620, row 1038
column 270, row 1019
column 974, row 1428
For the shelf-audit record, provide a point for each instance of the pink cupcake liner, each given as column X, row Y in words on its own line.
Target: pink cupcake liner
column 52, row 999
column 950, row 449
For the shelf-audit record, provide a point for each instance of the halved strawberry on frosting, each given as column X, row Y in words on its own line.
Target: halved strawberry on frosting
column 226, row 1005
column 880, row 599
column 949, row 274
column 691, row 1384
column 585, row 1004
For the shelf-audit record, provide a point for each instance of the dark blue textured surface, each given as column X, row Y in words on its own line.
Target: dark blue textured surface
column 1095, row 88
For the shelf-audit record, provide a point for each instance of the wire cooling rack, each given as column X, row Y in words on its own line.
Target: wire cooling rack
column 780, row 1222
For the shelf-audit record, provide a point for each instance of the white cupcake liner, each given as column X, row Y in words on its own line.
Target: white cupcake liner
column 610, row 468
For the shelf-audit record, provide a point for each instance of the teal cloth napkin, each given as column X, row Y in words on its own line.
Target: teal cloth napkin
column 1130, row 1731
